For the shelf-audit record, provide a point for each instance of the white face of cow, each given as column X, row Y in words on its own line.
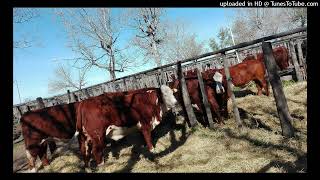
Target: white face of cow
column 168, row 97
column 218, row 79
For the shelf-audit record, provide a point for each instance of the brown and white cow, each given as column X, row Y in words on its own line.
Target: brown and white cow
column 216, row 85
column 281, row 56
column 196, row 96
column 241, row 74
column 115, row 115
column 40, row 126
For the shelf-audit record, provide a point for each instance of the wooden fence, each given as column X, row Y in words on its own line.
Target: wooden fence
column 293, row 40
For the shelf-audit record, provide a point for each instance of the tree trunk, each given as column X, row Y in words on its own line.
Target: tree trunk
column 112, row 68
column 156, row 53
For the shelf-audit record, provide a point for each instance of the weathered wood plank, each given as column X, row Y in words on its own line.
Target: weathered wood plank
column 302, row 60
column 230, row 89
column 85, row 93
column 281, row 102
column 188, row 110
column 125, row 87
column 295, row 62
column 40, row 103
column 205, row 99
column 70, row 100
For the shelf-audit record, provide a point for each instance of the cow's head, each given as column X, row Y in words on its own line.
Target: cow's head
column 173, row 83
column 217, row 77
column 168, row 97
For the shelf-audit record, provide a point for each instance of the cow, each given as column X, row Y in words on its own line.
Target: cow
column 41, row 125
column 216, row 85
column 241, row 74
column 116, row 115
column 194, row 91
column 280, row 54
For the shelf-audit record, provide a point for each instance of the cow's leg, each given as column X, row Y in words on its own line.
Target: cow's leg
column 214, row 105
column 32, row 157
column 262, row 84
column 97, row 149
column 222, row 101
column 197, row 104
column 52, row 146
column 84, row 149
column 265, row 85
column 259, row 87
column 43, row 154
column 146, row 131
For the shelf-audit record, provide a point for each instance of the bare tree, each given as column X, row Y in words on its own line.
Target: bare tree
column 253, row 23
column 298, row 16
column 224, row 37
column 94, row 36
column 28, row 99
column 180, row 44
column 22, row 16
column 64, row 80
column 150, row 31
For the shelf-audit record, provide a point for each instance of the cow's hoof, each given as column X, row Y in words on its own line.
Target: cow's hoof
column 45, row 163
column 33, row 170
column 101, row 164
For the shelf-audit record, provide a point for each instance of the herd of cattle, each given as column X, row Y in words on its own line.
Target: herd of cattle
column 117, row 114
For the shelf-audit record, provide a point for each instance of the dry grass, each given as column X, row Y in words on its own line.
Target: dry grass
column 259, row 147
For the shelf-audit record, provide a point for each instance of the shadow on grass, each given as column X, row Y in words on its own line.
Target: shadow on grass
column 168, row 126
column 243, row 93
column 299, row 165
column 252, row 122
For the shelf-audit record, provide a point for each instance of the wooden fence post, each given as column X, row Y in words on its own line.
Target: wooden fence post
column 69, row 96
column 74, row 98
column 125, row 84
column 166, row 77
column 205, row 99
column 281, row 102
column 86, row 94
column 230, row 89
column 161, row 77
column 301, row 59
column 138, row 84
column 295, row 62
column 186, row 99
column 19, row 111
column 40, row 103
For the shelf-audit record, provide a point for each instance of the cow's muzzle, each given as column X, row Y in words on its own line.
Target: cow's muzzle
column 219, row 88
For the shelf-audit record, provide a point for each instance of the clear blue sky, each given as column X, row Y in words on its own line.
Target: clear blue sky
column 34, row 66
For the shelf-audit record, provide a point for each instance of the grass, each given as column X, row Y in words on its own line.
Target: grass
column 286, row 83
column 258, row 147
